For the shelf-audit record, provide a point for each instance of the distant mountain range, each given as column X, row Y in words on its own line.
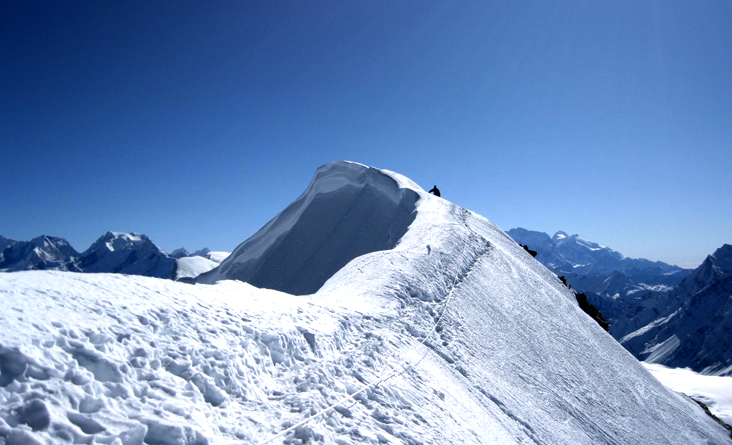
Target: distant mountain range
column 590, row 267
column 616, row 285
column 691, row 326
column 659, row 312
column 41, row 253
column 113, row 252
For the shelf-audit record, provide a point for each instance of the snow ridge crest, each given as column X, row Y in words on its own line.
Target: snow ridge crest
column 348, row 210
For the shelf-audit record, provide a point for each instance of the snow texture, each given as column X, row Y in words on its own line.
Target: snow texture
column 489, row 346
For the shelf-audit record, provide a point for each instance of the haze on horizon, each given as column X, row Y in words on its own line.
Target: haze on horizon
column 196, row 123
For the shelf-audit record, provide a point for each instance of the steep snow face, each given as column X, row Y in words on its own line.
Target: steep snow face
column 127, row 253
column 690, row 327
column 455, row 335
column 348, row 210
column 43, row 252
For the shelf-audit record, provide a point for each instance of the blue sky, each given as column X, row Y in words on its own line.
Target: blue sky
column 195, row 122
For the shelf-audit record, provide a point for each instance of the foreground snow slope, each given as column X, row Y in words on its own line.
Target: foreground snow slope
column 489, row 346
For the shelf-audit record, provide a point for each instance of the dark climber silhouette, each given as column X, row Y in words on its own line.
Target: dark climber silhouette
column 526, row 248
column 435, row 191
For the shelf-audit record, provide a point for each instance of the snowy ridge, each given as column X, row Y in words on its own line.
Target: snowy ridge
column 314, row 236
column 493, row 347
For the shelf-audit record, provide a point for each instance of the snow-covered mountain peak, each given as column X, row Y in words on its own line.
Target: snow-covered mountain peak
column 340, row 174
column 128, row 253
column 691, row 325
column 52, row 247
column 42, row 252
column 716, row 266
column 114, row 241
column 561, row 238
column 348, row 210
column 202, row 252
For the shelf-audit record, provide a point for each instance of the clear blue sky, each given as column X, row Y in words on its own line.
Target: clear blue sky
column 195, row 122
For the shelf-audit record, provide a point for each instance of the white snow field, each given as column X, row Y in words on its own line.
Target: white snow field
column 450, row 334
column 193, row 266
column 714, row 391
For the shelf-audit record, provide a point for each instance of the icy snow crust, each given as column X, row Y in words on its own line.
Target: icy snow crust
column 126, row 359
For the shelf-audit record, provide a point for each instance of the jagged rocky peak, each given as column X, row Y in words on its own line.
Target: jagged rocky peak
column 114, row 241
column 348, row 210
column 128, row 253
column 179, row 253
column 722, row 258
column 43, row 252
column 202, row 253
column 691, row 326
column 5, row 243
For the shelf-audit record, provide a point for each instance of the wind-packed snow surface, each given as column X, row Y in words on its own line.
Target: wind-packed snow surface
column 448, row 333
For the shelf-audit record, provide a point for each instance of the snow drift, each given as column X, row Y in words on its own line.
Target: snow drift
column 348, row 210
column 443, row 330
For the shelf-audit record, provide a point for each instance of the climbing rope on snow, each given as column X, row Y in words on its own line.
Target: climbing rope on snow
column 394, row 372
